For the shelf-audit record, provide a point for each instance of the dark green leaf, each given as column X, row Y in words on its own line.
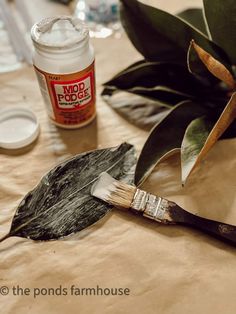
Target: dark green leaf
column 159, row 35
column 140, row 111
column 230, row 132
column 220, row 15
column 132, row 66
column 165, row 82
column 162, row 94
column 61, row 203
column 166, row 137
column 145, row 38
column 154, row 74
column 202, row 134
column 195, row 17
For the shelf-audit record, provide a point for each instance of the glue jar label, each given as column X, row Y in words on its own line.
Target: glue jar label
column 70, row 98
column 64, row 64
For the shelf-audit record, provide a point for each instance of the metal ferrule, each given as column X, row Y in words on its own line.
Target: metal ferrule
column 152, row 207
column 139, row 200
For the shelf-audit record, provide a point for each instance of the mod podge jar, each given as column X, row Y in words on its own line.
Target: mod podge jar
column 64, row 64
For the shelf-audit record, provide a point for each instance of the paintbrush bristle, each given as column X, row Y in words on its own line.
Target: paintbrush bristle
column 116, row 193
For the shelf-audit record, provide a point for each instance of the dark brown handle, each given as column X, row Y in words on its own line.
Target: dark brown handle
column 217, row 229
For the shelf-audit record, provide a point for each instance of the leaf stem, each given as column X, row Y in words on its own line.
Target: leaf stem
column 5, row 237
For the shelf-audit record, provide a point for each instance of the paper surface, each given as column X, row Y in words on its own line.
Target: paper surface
column 168, row 269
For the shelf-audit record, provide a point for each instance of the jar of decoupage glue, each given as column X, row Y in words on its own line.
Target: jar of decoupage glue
column 64, row 64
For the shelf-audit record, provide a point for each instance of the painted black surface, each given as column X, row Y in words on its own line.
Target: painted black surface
column 61, row 203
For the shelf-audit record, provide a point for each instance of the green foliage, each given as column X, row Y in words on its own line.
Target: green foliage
column 188, row 65
column 221, row 20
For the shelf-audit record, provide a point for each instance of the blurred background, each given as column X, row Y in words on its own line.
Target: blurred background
column 102, row 16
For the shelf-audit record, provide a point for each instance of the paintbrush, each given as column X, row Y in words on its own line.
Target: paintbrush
column 122, row 195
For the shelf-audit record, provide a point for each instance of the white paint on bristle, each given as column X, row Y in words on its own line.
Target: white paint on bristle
column 116, row 193
column 103, row 186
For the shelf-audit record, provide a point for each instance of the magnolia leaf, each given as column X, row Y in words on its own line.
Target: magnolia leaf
column 166, row 137
column 146, row 41
column 214, row 66
column 230, row 132
column 131, row 66
column 152, row 75
column 140, row 111
column 201, row 135
column 195, row 17
column 163, row 94
column 158, row 35
column 198, row 68
column 61, row 203
column 220, row 16
column 194, row 139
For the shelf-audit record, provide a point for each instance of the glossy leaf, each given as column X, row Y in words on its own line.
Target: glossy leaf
column 151, row 75
column 214, row 66
column 61, row 203
column 140, row 111
column 163, row 94
column 198, row 68
column 201, row 135
column 220, row 15
column 166, row 137
column 131, row 66
column 164, row 82
column 195, row 17
column 158, row 35
column 194, row 139
column 146, row 41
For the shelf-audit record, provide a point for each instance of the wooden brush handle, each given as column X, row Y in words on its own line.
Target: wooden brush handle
column 164, row 211
column 217, row 229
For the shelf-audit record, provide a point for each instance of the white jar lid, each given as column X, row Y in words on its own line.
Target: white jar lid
column 59, row 32
column 18, row 127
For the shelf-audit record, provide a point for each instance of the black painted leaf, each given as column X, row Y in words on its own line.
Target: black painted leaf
column 195, row 17
column 158, row 35
column 61, row 203
column 166, row 137
column 140, row 111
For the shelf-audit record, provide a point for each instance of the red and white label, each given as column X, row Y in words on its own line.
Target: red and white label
column 73, row 94
column 70, row 98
